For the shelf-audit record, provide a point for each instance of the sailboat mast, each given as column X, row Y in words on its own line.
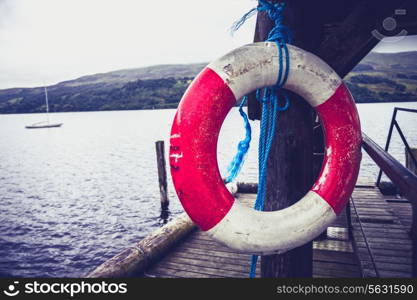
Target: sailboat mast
column 47, row 105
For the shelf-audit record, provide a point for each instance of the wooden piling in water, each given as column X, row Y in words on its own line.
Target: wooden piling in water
column 162, row 175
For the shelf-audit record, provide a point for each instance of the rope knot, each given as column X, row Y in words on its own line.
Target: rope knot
column 274, row 10
column 280, row 33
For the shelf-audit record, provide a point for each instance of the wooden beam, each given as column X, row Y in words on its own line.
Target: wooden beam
column 345, row 31
column 346, row 43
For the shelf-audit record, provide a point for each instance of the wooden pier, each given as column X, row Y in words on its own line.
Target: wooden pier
column 369, row 239
column 381, row 233
column 198, row 256
column 375, row 236
column 379, row 246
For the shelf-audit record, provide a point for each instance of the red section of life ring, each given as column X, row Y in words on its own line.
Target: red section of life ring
column 193, row 149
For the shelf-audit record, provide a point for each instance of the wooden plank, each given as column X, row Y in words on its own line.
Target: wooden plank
column 386, row 233
column 384, row 246
column 376, row 210
column 338, row 233
column 392, row 274
column 377, row 240
column 216, row 253
column 335, row 266
column 207, row 255
column 331, row 273
column 209, row 246
column 383, row 249
column 379, row 220
column 334, row 256
column 385, row 252
column 384, row 226
column 393, row 259
column 167, row 273
column 333, row 245
column 383, row 266
column 170, row 272
column 398, row 241
column 237, row 256
column 204, row 270
column 209, row 263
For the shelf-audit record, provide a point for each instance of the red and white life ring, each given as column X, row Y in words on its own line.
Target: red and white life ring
column 193, row 148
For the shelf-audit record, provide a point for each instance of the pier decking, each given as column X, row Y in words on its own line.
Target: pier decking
column 200, row 256
column 380, row 226
column 370, row 238
column 379, row 246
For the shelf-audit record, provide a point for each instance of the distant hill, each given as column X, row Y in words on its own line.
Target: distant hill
column 141, row 88
column 385, row 77
column 379, row 77
column 121, row 77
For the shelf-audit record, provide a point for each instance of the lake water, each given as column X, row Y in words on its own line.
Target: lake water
column 74, row 196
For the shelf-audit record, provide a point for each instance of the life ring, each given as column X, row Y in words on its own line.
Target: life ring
column 193, row 146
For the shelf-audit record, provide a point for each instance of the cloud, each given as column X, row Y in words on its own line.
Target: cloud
column 48, row 41
column 54, row 40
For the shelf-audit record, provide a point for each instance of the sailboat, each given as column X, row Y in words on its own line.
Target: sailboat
column 44, row 124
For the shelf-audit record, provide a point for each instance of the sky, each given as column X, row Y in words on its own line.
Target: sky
column 43, row 42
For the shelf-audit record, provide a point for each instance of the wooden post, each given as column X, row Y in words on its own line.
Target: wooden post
column 289, row 178
column 162, row 175
column 290, row 164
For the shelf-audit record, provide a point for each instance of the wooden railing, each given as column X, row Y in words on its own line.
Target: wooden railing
column 404, row 180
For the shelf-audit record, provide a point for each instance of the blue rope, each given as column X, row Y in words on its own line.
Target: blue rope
column 242, row 148
column 269, row 98
column 281, row 35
